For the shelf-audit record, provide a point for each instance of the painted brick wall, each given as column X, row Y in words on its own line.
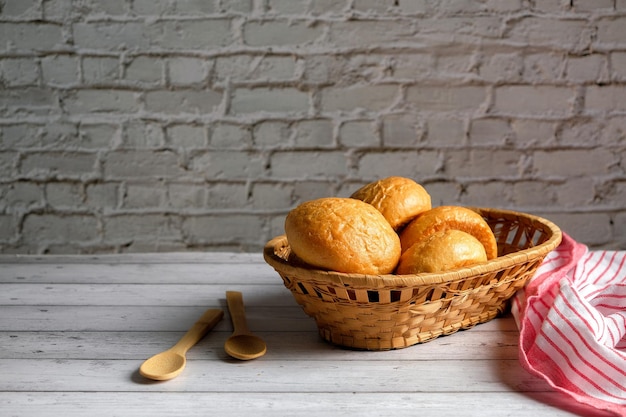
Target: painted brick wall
column 155, row 125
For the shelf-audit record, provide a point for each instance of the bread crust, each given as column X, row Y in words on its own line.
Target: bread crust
column 442, row 251
column 449, row 217
column 344, row 235
column 399, row 199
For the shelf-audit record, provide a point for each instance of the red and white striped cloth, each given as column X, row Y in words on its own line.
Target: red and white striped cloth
column 572, row 320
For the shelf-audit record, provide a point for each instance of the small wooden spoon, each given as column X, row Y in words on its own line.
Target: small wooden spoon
column 170, row 363
column 242, row 344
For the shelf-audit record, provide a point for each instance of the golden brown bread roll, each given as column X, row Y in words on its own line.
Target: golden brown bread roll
column 449, row 217
column 399, row 199
column 442, row 251
column 342, row 234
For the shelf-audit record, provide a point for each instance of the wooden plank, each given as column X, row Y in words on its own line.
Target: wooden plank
column 142, row 294
column 201, row 404
column 262, row 375
column 144, row 318
column 140, row 273
column 129, row 258
column 471, row 344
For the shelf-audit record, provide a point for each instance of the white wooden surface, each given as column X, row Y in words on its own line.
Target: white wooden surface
column 75, row 329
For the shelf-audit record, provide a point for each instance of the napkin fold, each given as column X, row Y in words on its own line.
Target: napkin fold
column 572, row 321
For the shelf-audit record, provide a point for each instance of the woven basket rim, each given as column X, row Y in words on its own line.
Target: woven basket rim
column 279, row 243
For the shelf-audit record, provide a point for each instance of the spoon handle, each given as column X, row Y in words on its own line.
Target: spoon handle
column 237, row 312
column 201, row 327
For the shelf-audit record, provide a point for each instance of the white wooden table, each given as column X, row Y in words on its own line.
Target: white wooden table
column 75, row 329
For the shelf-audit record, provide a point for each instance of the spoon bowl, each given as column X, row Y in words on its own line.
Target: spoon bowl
column 170, row 363
column 242, row 344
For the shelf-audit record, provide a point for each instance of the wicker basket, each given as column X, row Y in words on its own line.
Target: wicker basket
column 382, row 312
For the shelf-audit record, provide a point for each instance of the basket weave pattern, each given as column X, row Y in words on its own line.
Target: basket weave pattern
column 395, row 311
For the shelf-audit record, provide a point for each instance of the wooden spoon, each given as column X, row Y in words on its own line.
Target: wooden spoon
column 170, row 363
column 242, row 344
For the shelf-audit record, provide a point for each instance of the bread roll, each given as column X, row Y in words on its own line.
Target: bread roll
column 342, row 234
column 399, row 199
column 449, row 217
column 442, row 251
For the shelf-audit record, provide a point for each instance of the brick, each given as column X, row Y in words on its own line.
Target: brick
column 569, row 34
column 183, row 101
column 587, row 228
column 611, row 31
column 61, row 227
column 586, row 68
column 124, row 228
column 490, row 132
column 21, row 196
column 240, row 6
column 478, row 26
column 99, row 70
column 308, row 164
column 366, row 97
column 268, row 196
column 579, row 132
column 60, row 70
column 575, row 192
column 225, row 135
column 187, row 136
column 227, row 195
column 185, row 71
column 189, row 34
column 186, row 196
column 40, row 37
column 606, row 98
column 445, row 98
column 262, row 99
column 356, row 134
column 313, row 133
column 111, row 35
column 101, row 101
column 98, row 136
column 20, row 136
column 166, row 7
column 270, row 133
column 22, row 8
column 8, row 161
column 101, row 195
column 442, row 192
column 280, row 32
column 142, row 164
column 287, row 7
column 310, row 190
column 58, row 135
column 247, row 67
column 484, row 194
column 145, row 69
column 30, row 100
column 228, row 164
column 223, row 229
column 551, row 5
column 19, row 72
column 533, row 132
column 144, row 195
column 56, row 9
column 8, row 228
column 533, row 194
column 64, row 195
column 614, row 132
column 141, row 134
column 574, row 162
column 618, row 66
column 500, row 67
column 58, row 164
column 402, row 130
column 444, row 132
column 534, row 100
column 483, row 164
column 544, row 68
column 411, row 66
column 346, row 33
column 412, row 164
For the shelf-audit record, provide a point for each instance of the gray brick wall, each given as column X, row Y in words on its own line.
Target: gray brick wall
column 157, row 125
